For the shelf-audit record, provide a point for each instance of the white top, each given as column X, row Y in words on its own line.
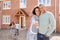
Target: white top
column 33, row 29
column 17, row 26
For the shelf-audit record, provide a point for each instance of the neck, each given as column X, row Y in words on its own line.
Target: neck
column 37, row 15
column 43, row 11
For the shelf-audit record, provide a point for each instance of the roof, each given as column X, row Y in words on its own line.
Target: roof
column 21, row 11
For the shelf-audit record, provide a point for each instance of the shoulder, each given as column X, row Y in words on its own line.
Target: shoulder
column 16, row 24
column 50, row 13
column 33, row 17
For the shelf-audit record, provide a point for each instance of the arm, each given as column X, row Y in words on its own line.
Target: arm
column 52, row 24
column 31, row 24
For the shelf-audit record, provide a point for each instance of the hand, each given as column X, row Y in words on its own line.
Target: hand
column 46, row 35
column 36, row 25
column 49, row 27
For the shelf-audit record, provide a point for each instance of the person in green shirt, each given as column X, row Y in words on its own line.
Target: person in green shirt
column 47, row 24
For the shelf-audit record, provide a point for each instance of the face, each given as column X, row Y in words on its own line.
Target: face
column 41, row 8
column 37, row 11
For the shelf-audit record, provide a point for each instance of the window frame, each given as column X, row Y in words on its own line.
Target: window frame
column 45, row 2
column 6, row 6
column 22, row 5
column 4, row 19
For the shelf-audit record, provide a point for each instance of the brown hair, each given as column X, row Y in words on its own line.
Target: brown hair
column 12, row 23
column 34, row 10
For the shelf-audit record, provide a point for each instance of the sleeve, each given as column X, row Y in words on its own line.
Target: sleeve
column 52, row 24
column 31, row 24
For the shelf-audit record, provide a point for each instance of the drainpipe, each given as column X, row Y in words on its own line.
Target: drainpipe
column 1, row 14
column 55, row 13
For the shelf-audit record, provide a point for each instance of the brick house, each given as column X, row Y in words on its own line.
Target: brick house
column 21, row 11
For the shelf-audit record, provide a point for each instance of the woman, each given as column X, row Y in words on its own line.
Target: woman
column 32, row 32
column 12, row 28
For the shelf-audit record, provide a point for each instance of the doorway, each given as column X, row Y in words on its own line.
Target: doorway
column 22, row 22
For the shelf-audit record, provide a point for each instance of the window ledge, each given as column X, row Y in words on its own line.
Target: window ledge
column 6, row 8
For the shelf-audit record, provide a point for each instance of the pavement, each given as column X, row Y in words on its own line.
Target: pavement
column 5, row 35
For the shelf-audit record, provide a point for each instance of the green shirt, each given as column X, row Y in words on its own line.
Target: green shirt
column 45, row 20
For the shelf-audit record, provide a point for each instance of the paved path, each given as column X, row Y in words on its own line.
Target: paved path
column 5, row 35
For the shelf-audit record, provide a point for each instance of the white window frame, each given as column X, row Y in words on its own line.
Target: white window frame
column 4, row 20
column 46, row 4
column 22, row 3
column 5, row 7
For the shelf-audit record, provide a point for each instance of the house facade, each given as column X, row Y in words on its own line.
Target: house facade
column 21, row 11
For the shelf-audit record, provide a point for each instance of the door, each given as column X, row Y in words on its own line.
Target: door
column 22, row 22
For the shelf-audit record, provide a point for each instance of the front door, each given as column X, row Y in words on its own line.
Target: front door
column 22, row 22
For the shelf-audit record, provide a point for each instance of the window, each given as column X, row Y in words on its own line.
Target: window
column 7, row 5
column 6, row 19
column 45, row 2
column 22, row 3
